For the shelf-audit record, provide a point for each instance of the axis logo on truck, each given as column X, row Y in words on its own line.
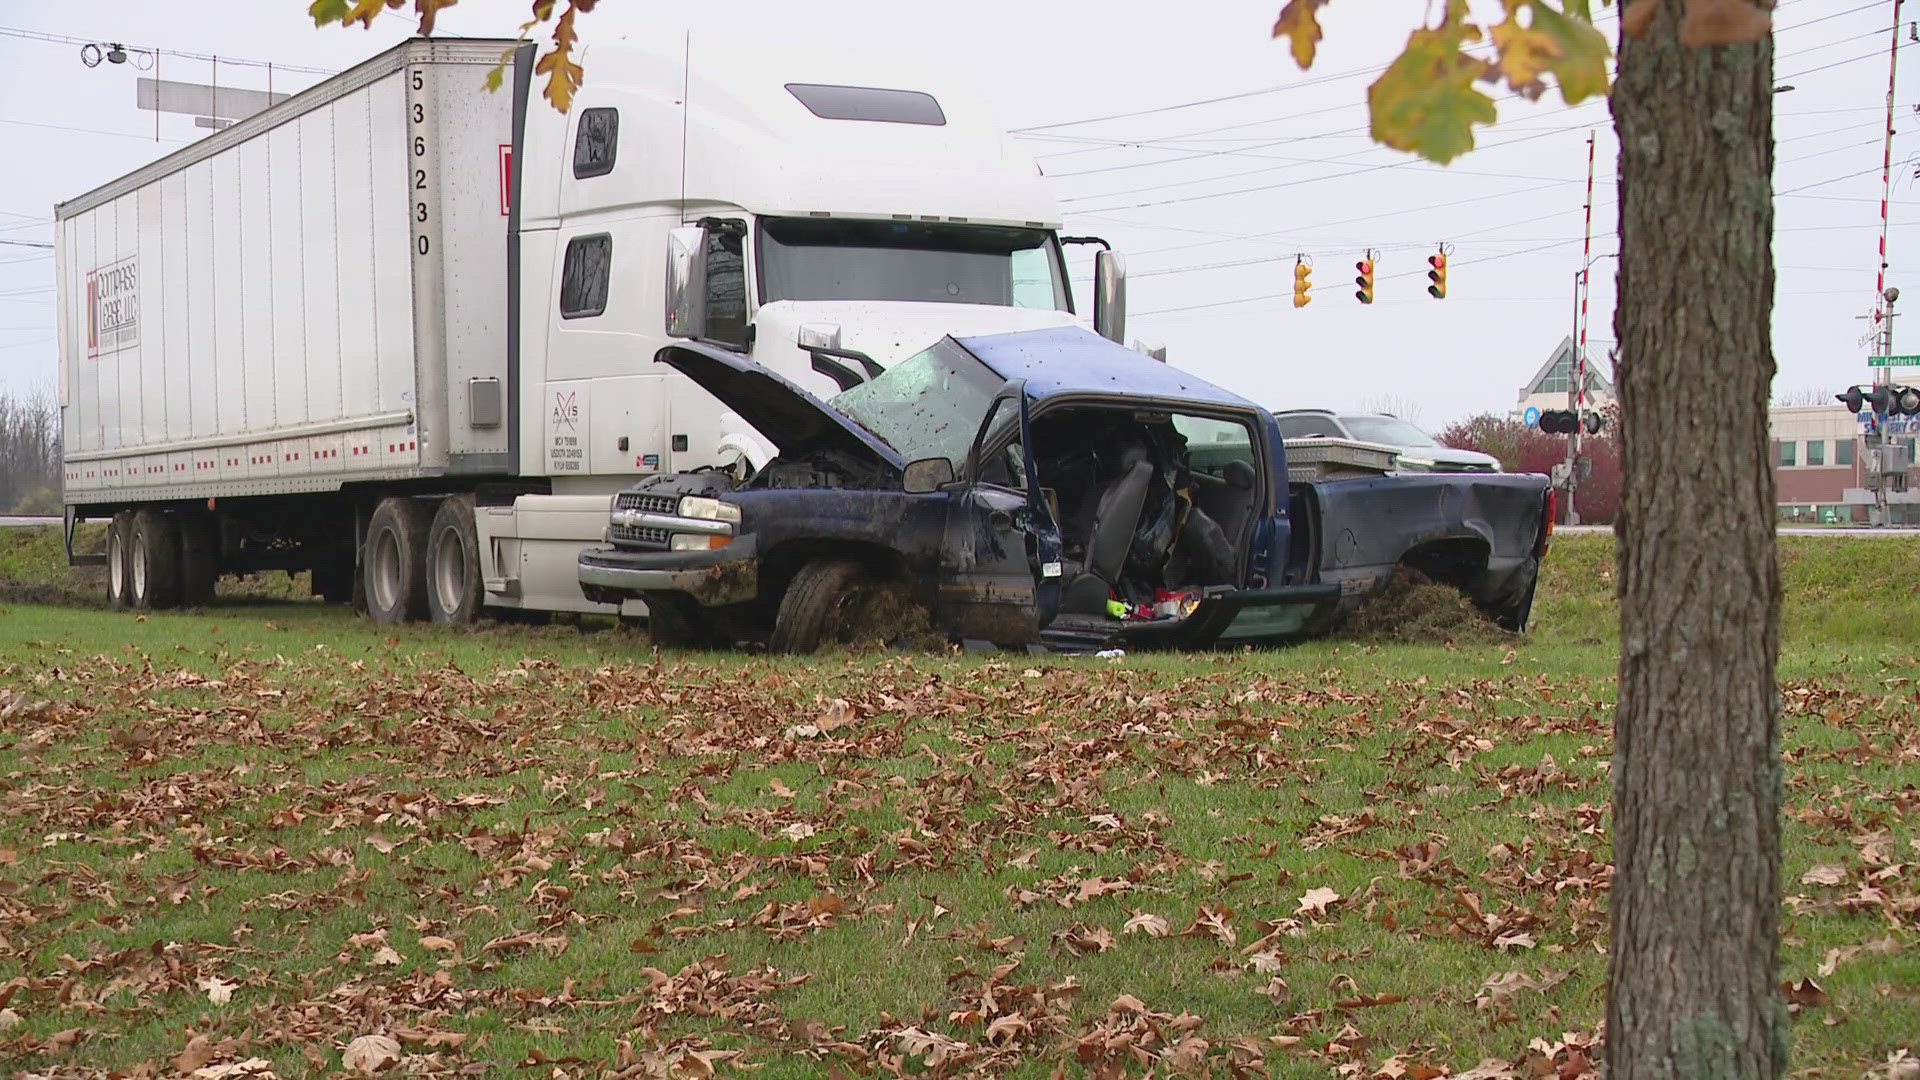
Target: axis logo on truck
column 113, row 307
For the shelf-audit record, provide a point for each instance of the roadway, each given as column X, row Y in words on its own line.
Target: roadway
column 1785, row 530
column 26, row 522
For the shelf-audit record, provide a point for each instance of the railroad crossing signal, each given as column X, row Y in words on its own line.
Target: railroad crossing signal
column 1364, row 293
column 1302, row 282
column 1564, row 422
column 1886, row 400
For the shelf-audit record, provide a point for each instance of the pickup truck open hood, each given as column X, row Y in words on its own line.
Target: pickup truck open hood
column 792, row 419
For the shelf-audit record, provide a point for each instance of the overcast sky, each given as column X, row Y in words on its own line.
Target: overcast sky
column 1210, row 199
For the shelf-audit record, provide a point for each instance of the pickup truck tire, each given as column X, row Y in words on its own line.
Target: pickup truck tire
column 199, row 558
column 820, row 606
column 153, row 562
column 674, row 622
column 119, row 542
column 453, row 563
column 394, row 567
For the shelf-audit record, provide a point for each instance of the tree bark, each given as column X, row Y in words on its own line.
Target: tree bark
column 1696, row 772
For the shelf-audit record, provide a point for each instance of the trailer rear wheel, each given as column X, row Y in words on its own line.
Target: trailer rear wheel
column 453, row 563
column 119, row 534
column 199, row 558
column 395, row 563
column 822, row 604
column 153, row 561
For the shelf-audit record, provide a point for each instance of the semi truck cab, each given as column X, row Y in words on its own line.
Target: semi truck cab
column 808, row 215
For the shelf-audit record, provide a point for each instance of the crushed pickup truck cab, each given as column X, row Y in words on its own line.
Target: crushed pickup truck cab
column 1047, row 486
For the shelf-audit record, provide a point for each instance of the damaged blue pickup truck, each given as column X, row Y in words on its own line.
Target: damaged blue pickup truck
column 1047, row 487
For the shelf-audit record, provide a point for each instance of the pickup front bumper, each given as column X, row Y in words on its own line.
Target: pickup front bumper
column 726, row 575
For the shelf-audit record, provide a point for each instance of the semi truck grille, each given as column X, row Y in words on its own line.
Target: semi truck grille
column 651, row 504
column 639, row 536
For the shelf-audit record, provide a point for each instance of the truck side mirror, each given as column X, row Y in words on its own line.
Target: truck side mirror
column 1110, row 296
column 927, row 474
column 687, row 282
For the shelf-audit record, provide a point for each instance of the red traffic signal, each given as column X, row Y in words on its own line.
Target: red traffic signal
column 1364, row 293
column 1438, row 276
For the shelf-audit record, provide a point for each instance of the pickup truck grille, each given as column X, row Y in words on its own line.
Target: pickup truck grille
column 651, row 504
column 639, row 536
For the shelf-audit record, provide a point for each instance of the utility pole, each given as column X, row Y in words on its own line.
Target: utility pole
column 1577, row 390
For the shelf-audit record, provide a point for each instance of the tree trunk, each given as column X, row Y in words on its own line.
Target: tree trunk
column 1696, row 799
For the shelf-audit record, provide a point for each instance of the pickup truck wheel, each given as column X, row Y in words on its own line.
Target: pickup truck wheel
column 153, row 562
column 199, row 558
column 674, row 622
column 453, row 563
column 822, row 604
column 394, row 567
column 119, row 535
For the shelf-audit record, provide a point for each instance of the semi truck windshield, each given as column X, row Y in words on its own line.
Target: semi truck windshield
column 930, row 262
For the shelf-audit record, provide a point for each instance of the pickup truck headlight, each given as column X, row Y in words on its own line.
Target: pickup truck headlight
column 705, row 509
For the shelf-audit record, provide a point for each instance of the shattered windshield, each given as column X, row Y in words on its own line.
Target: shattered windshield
column 926, row 406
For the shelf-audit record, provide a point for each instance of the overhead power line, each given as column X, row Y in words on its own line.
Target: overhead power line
column 1151, row 143
column 64, row 39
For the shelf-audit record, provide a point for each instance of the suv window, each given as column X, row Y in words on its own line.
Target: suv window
column 1308, row 427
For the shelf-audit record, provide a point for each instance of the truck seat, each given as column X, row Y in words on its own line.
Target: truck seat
column 1116, row 516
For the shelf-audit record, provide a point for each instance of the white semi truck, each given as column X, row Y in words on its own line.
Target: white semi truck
column 400, row 332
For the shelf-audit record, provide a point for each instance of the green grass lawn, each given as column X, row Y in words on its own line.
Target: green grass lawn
column 262, row 831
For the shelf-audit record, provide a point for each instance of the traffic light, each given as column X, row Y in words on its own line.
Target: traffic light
column 1595, row 422
column 1437, row 275
column 1364, row 293
column 1906, row 401
column 1302, row 283
column 1853, row 399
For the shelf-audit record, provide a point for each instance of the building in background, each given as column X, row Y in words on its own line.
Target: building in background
column 1819, row 475
column 1548, row 387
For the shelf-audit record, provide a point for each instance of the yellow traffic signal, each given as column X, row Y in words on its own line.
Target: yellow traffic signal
column 1437, row 275
column 1365, row 280
column 1302, row 283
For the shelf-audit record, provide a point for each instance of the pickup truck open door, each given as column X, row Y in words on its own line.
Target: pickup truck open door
column 1001, row 579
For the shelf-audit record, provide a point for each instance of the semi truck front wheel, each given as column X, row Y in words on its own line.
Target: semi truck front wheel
column 394, row 565
column 199, row 557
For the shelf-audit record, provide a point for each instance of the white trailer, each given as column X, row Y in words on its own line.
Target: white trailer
column 399, row 331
